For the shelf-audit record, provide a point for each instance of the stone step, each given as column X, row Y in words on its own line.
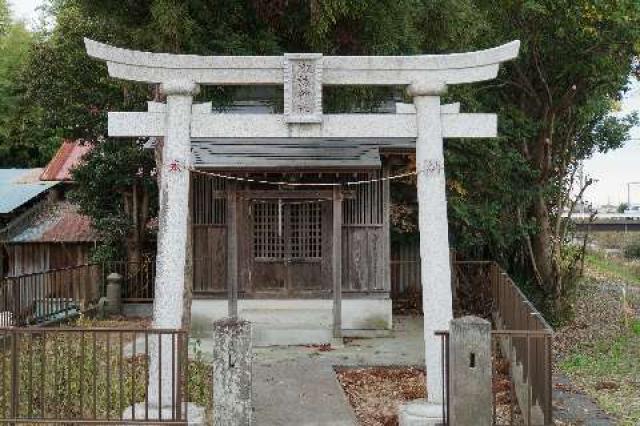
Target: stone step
column 290, row 335
column 313, row 318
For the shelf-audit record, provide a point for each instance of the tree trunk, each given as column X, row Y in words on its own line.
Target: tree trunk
column 542, row 242
column 134, row 240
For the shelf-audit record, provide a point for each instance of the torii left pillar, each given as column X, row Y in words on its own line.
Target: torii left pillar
column 173, row 261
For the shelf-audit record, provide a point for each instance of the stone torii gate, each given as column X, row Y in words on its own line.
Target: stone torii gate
column 303, row 76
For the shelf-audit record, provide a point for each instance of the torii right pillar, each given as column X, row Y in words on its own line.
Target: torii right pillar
column 434, row 248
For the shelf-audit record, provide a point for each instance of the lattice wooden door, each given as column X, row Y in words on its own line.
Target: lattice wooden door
column 288, row 245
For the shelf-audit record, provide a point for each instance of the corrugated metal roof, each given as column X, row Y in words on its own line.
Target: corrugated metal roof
column 332, row 153
column 19, row 186
column 67, row 157
column 58, row 222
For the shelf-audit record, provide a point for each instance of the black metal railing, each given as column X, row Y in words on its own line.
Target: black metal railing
column 138, row 279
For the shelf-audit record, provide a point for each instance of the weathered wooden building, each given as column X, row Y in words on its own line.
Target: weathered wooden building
column 41, row 230
column 52, row 235
column 298, row 210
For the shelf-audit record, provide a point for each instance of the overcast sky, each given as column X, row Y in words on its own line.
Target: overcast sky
column 612, row 170
column 25, row 9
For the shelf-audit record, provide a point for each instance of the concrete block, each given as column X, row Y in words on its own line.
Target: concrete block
column 232, row 375
column 194, row 413
column 419, row 412
column 270, row 335
column 296, row 321
column 470, row 371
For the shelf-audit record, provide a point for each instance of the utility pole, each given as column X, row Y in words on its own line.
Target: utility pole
column 629, row 185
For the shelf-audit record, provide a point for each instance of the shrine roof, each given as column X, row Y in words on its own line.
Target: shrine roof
column 291, row 153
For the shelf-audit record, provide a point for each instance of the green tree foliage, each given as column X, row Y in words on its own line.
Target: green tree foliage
column 65, row 94
column 15, row 42
column 5, row 17
column 554, row 103
column 117, row 189
column 505, row 195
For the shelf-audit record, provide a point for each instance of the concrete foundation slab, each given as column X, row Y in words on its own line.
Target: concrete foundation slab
column 420, row 413
column 281, row 322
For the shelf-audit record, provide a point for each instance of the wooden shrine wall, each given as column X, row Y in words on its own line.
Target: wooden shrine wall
column 365, row 236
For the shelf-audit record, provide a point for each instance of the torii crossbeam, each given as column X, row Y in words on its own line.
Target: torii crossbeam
column 426, row 78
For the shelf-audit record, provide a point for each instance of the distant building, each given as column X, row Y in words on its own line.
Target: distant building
column 39, row 228
column 68, row 156
column 607, row 208
column 633, row 210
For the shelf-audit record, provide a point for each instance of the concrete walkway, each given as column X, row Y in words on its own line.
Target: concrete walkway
column 298, row 385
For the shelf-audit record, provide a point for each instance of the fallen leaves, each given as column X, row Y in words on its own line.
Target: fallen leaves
column 376, row 392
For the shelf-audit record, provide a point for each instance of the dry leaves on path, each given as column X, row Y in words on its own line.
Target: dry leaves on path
column 375, row 393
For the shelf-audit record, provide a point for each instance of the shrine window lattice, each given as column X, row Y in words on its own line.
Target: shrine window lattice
column 283, row 230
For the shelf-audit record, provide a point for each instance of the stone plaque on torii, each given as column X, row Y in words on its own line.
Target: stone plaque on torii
column 303, row 76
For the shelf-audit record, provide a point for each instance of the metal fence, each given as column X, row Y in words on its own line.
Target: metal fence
column 514, row 399
column 138, row 279
column 59, row 294
column 406, row 282
column 530, row 354
column 405, row 271
column 92, row 376
column 48, row 296
column 522, row 342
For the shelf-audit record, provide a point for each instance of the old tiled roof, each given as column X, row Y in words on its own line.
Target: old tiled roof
column 19, row 186
column 259, row 153
column 55, row 222
column 68, row 156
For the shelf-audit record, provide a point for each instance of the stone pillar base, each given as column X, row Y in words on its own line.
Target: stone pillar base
column 195, row 413
column 420, row 413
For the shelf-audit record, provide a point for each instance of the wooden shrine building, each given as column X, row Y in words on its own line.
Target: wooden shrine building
column 324, row 208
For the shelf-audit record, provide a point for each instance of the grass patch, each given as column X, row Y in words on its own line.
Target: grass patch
column 610, row 371
column 614, row 267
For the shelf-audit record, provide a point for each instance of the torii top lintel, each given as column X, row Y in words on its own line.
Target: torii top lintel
column 336, row 70
column 302, row 74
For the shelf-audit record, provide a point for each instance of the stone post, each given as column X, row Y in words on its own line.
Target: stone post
column 232, row 373
column 173, row 234
column 434, row 247
column 114, row 294
column 470, row 372
column 434, row 229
